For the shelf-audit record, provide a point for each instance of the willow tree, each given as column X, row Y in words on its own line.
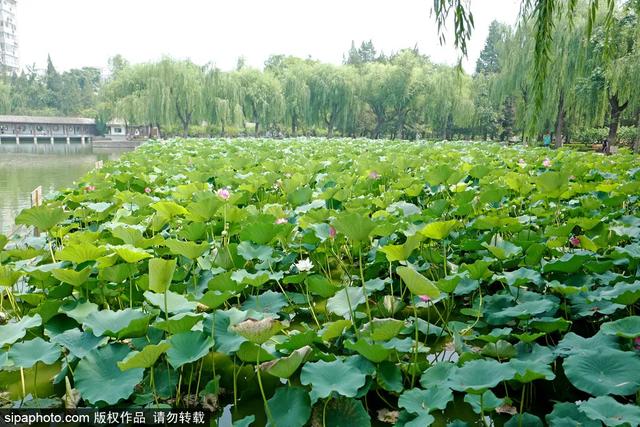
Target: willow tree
column 332, row 91
column 261, row 97
column 405, row 85
column 293, row 75
column 543, row 15
column 221, row 99
column 182, row 86
column 612, row 60
column 376, row 92
column 450, row 102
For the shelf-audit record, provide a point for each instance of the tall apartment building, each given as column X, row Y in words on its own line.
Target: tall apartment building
column 8, row 37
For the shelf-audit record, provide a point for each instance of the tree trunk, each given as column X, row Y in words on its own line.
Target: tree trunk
column 185, row 129
column 378, row 130
column 330, row 124
column 294, row 125
column 560, row 121
column 614, row 120
column 257, row 127
column 636, row 142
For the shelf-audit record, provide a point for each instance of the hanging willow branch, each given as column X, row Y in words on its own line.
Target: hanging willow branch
column 543, row 12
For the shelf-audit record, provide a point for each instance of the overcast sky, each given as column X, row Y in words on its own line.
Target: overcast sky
column 87, row 32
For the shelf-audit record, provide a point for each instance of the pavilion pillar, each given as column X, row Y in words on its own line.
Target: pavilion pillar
column 17, row 140
column 68, row 140
column 35, row 140
column 82, row 140
column 52, row 141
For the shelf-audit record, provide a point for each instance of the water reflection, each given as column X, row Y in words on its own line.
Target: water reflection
column 52, row 167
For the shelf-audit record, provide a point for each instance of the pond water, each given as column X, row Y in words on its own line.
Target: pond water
column 24, row 168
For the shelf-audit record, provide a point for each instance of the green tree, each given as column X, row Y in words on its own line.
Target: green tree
column 261, row 97
column 489, row 60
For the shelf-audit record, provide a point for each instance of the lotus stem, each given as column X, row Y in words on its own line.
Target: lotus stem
column 264, row 397
column 364, row 289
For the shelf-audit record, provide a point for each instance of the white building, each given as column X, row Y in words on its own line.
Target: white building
column 8, row 37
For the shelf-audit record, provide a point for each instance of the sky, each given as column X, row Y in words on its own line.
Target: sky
column 79, row 33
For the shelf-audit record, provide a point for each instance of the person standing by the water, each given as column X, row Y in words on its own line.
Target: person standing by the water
column 546, row 139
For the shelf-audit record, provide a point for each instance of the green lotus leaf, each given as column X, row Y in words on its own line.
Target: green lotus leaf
column 145, row 358
column 8, row 277
column 383, row 329
column 328, row 377
column 489, row 401
column 401, row 252
column 524, row 420
column 176, row 303
column 604, row 371
column 258, row 331
column 118, row 324
column 244, row 422
column 566, row 414
column 190, row 250
column 13, row 331
column 205, row 208
column 500, row 349
column 568, row 263
column 346, row 301
column 355, row 226
column 78, row 343
column 521, row 276
column 78, row 310
column 72, row 277
column 181, row 322
column 374, row 352
column 253, row 353
column 100, row 381
column 160, row 274
column 187, row 347
column 168, row 209
column 335, row 329
column 439, row 230
column 250, row 252
column 254, row 279
column 343, row 412
column 628, row 327
column 320, row 285
column 42, row 217
column 575, row 344
column 26, row 354
column 214, row 299
column 267, row 302
column 417, row 401
column 552, row 184
column 286, row 366
column 290, row 406
column 130, row 253
column 502, row 249
column 389, row 377
column 477, row 376
column 611, row 412
column 80, row 252
column 439, row 373
column 417, row 283
column 262, row 230
column 550, row 324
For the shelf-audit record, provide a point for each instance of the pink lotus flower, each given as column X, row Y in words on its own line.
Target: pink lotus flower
column 424, row 298
column 332, row 232
column 90, row 188
column 637, row 343
column 522, row 163
column 281, row 221
column 223, row 193
column 575, row 241
column 147, row 190
column 546, row 163
column 374, row 175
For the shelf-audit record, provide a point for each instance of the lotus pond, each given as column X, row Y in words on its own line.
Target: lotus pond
column 334, row 283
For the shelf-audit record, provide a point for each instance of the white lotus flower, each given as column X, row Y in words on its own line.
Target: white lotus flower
column 304, row 265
